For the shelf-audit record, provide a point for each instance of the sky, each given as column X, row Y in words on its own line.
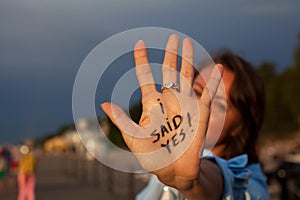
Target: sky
column 44, row 42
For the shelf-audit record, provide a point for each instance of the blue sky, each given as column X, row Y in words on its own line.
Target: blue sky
column 43, row 43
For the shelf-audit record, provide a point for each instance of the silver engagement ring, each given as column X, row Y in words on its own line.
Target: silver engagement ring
column 169, row 85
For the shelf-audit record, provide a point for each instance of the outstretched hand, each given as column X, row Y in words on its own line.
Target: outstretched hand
column 173, row 125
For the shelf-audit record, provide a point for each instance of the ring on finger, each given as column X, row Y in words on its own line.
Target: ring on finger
column 169, row 85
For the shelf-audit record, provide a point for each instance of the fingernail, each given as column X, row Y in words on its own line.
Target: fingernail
column 188, row 40
column 220, row 68
column 140, row 44
column 174, row 36
column 104, row 105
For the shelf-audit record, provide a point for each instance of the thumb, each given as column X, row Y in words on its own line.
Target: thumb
column 116, row 114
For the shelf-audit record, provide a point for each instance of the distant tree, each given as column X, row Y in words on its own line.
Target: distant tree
column 291, row 85
column 277, row 114
column 282, row 95
column 297, row 53
column 61, row 130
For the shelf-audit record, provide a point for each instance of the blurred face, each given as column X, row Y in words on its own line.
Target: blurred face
column 225, row 118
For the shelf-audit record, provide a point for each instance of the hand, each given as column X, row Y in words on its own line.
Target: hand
column 169, row 137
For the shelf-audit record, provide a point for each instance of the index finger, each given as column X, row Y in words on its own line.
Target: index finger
column 143, row 69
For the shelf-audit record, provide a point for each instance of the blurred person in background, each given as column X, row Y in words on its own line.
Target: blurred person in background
column 26, row 174
column 7, row 156
column 2, row 170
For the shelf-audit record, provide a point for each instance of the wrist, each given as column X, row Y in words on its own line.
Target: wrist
column 190, row 190
column 180, row 183
column 186, row 187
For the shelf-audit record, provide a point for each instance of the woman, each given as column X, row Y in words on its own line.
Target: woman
column 232, row 171
column 26, row 175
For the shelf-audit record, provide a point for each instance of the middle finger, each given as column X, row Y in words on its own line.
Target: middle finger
column 169, row 67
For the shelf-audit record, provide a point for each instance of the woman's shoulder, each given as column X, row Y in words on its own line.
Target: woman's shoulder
column 241, row 179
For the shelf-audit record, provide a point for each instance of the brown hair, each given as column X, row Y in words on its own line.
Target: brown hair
column 247, row 95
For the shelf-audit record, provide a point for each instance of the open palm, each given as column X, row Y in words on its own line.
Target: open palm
column 169, row 137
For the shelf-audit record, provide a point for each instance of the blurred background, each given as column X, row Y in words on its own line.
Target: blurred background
column 43, row 43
